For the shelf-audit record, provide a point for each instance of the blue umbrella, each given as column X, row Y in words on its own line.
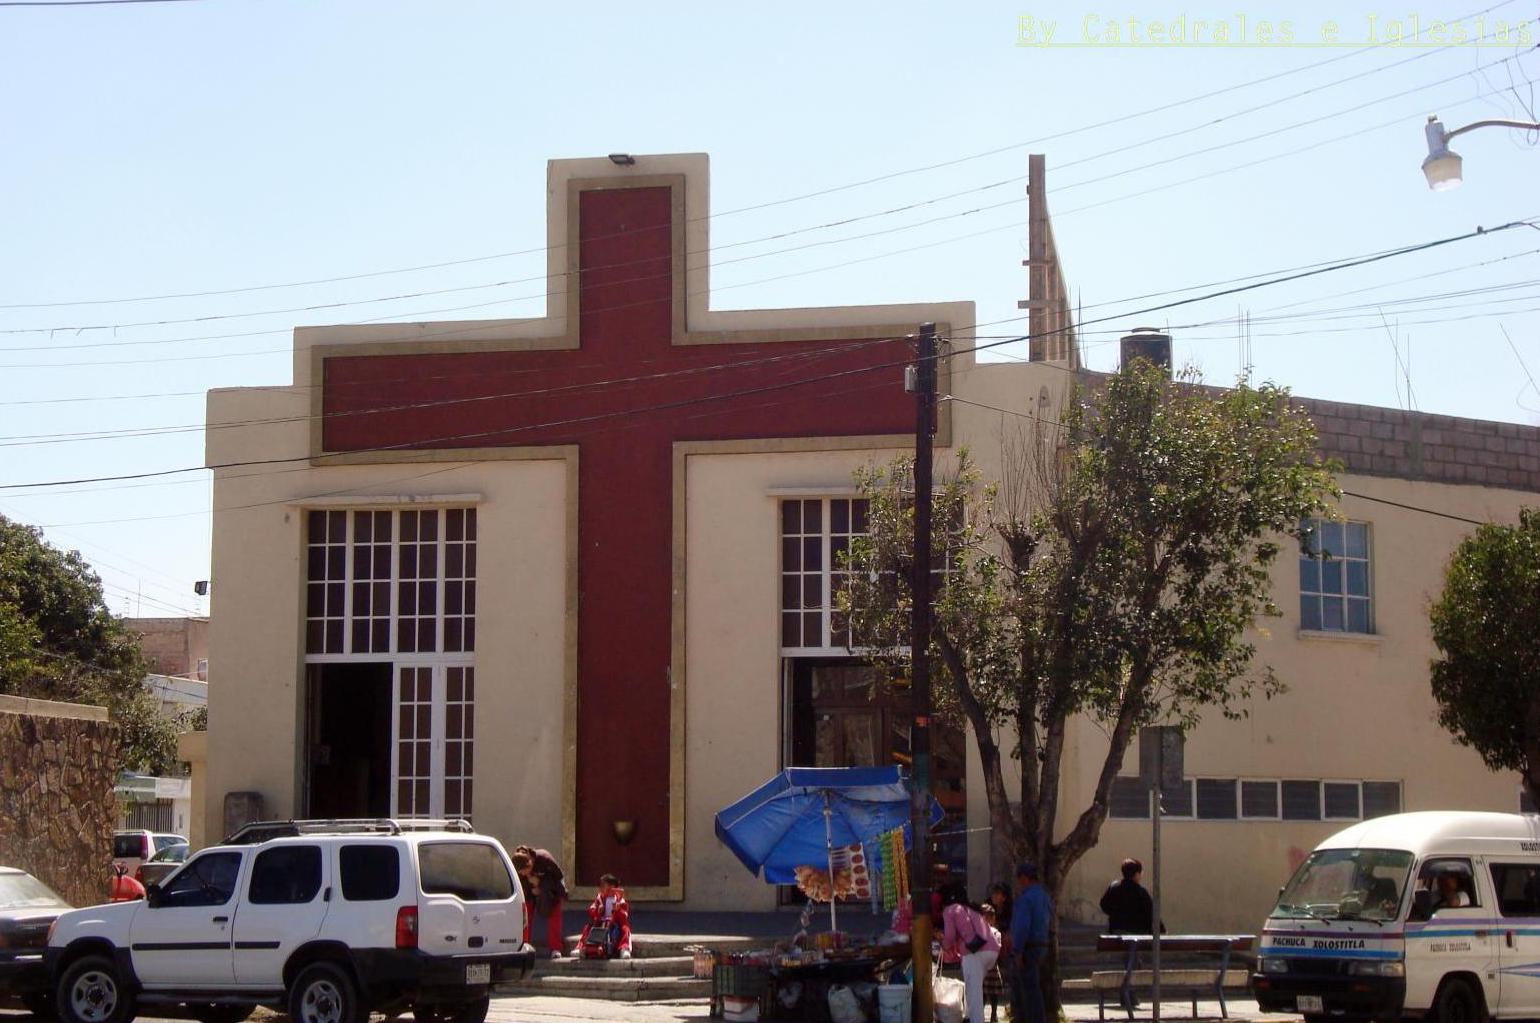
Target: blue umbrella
column 802, row 814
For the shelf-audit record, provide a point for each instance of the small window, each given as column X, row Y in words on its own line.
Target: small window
column 1259, row 800
column 370, row 873
column 1216, row 799
column 207, row 880
column 129, row 846
column 1518, row 888
column 1301, row 800
column 1177, row 800
column 1381, row 798
column 1341, row 800
column 1129, row 800
column 286, row 875
column 472, row 871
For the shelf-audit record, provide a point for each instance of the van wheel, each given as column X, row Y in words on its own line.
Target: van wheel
column 470, row 1012
column 1457, row 1002
column 91, row 991
column 324, row 993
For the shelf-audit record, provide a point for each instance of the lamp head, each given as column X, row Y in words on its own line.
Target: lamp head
column 1442, row 167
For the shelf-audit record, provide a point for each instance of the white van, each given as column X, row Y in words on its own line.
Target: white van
column 1415, row 914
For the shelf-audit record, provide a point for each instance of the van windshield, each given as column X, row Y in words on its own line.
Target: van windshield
column 1347, row 884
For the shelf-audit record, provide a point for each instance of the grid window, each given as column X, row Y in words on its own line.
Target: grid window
column 417, row 588
column 1259, row 800
column 1301, row 800
column 372, row 535
column 1381, row 798
column 381, row 582
column 414, row 743
column 1217, row 799
column 1340, row 800
column 816, row 535
column 1334, row 590
column 460, row 580
column 459, row 740
column 326, row 582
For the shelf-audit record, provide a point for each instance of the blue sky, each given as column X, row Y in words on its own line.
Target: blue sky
column 155, row 149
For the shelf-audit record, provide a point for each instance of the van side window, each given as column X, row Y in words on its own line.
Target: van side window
column 1443, row 884
column 1518, row 888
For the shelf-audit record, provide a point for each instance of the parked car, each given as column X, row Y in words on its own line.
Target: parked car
column 133, row 847
column 28, row 908
column 328, row 922
column 158, row 867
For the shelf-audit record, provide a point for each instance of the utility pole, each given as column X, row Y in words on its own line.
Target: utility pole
column 923, row 1004
column 1156, row 809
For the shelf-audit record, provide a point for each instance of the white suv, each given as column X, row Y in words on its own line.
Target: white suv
column 327, row 922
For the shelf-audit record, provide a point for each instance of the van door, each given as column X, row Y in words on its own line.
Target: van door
column 1516, row 887
column 1452, row 929
column 286, row 901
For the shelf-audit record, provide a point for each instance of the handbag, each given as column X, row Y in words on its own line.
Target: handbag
column 978, row 941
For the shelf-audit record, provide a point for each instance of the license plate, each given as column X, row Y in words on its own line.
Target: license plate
column 1309, row 1003
column 481, row 973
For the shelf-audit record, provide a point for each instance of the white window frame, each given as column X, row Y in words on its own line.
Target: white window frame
column 1240, row 793
column 1343, row 559
column 1357, row 785
column 826, row 572
column 437, row 660
column 1236, row 788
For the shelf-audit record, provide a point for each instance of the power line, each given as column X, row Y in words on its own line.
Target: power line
column 667, row 406
column 1068, row 133
column 567, row 275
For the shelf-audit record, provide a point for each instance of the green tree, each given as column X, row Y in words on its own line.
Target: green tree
column 1111, row 572
column 1486, row 679
column 58, row 641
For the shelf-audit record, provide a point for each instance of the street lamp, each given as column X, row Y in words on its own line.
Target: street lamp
column 1442, row 167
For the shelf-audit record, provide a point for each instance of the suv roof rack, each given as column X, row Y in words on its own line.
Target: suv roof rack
column 261, row 831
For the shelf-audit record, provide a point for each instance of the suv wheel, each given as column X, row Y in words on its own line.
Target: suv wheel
column 92, row 991
column 322, row 993
column 469, row 1012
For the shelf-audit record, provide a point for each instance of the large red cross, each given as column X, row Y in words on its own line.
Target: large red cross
column 630, row 389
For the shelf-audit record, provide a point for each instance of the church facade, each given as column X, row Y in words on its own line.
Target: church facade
column 571, row 577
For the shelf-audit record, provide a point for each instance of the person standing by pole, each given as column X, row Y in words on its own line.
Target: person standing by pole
column 921, row 929
column 1029, row 937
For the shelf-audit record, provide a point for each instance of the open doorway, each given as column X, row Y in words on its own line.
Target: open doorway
column 348, row 728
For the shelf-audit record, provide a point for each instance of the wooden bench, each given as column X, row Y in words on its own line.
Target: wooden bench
column 1181, row 981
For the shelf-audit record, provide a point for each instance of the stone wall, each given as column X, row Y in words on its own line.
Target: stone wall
column 57, row 810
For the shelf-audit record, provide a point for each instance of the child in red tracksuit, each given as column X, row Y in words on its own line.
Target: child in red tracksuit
column 608, row 933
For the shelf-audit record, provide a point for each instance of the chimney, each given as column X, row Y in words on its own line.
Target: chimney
column 1147, row 343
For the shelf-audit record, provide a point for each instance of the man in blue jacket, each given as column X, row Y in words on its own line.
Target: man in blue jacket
column 1029, row 937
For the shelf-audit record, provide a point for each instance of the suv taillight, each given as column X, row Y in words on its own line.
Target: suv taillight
column 406, row 927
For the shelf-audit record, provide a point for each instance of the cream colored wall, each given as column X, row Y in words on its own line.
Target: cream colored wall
column 1358, row 708
column 256, row 714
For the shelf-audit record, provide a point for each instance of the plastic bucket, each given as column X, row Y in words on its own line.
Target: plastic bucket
column 893, row 1003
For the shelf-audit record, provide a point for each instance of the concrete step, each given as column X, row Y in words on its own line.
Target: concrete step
column 652, row 966
column 655, row 946
column 614, row 989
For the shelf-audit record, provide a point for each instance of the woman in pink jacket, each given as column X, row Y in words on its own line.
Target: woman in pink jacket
column 965, row 933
